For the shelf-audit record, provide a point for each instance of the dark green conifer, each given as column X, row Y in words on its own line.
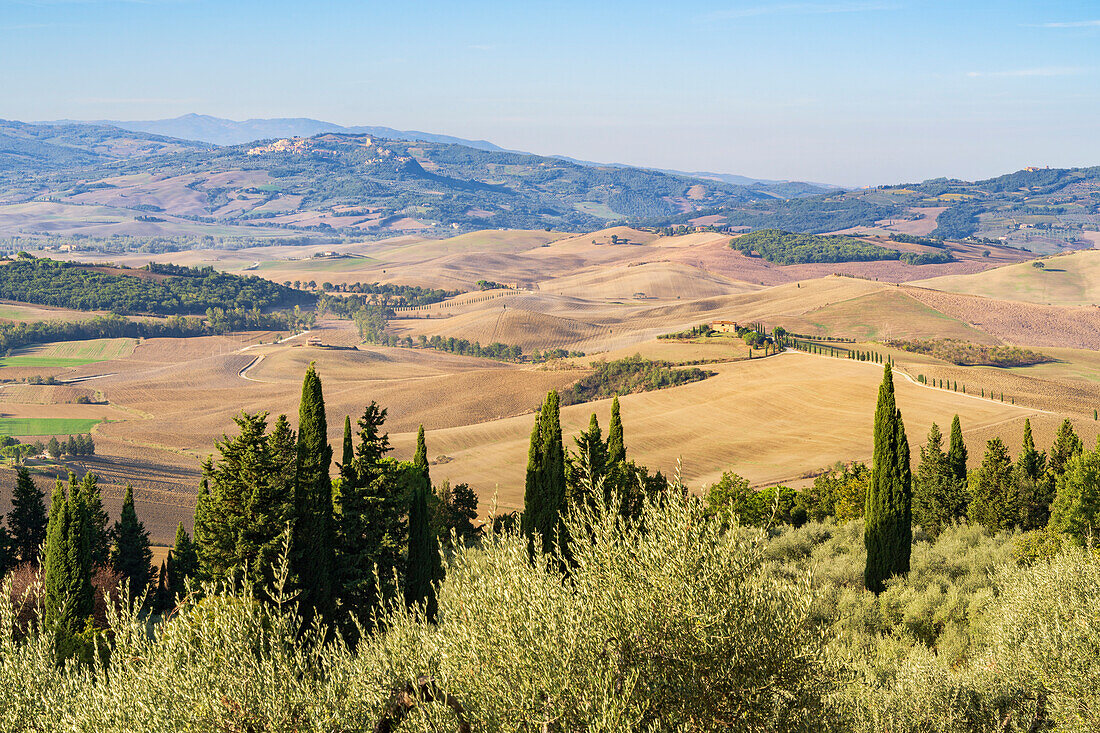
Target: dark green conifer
column 993, row 500
column 314, row 532
column 95, row 519
column 420, row 459
column 132, row 557
column 67, row 570
column 956, row 454
column 1034, row 491
column 371, row 530
column 1066, row 446
column 423, row 567
column 616, row 447
column 888, row 525
column 938, row 498
column 182, row 564
column 586, row 471
column 347, row 454
column 27, row 518
column 544, row 494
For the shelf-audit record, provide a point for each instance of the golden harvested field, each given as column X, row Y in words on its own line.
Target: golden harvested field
column 770, row 420
column 777, row 419
column 1071, row 279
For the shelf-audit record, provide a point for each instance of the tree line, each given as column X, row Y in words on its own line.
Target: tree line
column 180, row 290
column 217, row 321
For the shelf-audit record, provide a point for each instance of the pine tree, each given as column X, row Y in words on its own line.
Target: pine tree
column 423, row 567
column 182, row 564
column 96, row 521
column 132, row 557
column 888, row 527
column 1076, row 510
column 1066, row 445
column 27, row 518
column 544, row 494
column 314, row 531
column 371, row 529
column 956, row 454
column 616, row 447
column 586, row 470
column 938, row 498
column 247, row 500
column 992, row 491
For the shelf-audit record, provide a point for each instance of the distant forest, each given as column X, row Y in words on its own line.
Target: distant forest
column 178, row 290
column 789, row 248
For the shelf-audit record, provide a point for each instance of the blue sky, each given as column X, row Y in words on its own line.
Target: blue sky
column 848, row 91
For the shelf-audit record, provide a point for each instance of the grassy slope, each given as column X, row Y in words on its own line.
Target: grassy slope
column 1068, row 280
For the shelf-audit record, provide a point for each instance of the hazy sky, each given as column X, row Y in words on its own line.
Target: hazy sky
column 844, row 91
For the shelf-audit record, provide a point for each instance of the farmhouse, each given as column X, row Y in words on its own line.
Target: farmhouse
column 724, row 326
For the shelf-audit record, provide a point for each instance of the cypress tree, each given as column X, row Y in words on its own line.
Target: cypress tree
column 956, row 454
column 1031, row 462
column 616, row 448
column 544, row 492
column 131, row 557
column 1034, row 492
column 888, row 524
column 58, row 580
column 67, row 570
column 27, row 518
column 423, row 567
column 314, row 533
column 420, row 460
column 347, row 454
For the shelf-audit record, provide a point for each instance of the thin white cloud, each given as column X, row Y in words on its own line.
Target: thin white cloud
column 1041, row 71
column 801, row 9
column 1070, row 24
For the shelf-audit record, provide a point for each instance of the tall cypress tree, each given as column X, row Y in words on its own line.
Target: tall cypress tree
column 67, row 567
column 27, row 518
column 423, row 567
column 347, row 453
column 1034, row 492
column 544, row 494
column 956, row 454
column 314, row 531
column 58, row 572
column 888, row 522
column 420, row 460
column 132, row 557
column 616, row 448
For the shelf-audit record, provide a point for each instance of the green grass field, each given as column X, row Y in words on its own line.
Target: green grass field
column 63, row 354
column 27, row 426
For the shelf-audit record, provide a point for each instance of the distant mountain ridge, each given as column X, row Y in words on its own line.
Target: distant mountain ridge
column 221, row 131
